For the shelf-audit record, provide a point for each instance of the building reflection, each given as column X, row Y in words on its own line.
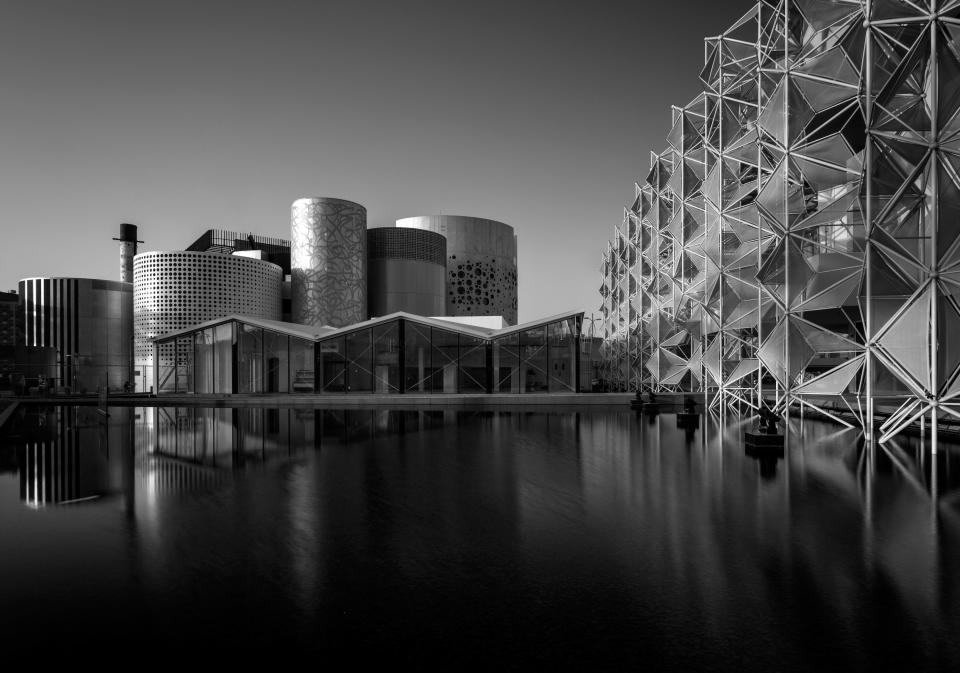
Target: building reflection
column 638, row 500
column 68, row 455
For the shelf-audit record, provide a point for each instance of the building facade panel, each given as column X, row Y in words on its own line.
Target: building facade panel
column 481, row 264
column 406, row 272
column 328, row 260
column 173, row 290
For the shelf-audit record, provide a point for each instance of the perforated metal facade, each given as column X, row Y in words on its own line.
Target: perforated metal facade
column 481, row 264
column 406, row 271
column 406, row 243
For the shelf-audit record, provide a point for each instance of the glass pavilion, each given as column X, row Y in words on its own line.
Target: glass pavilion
column 398, row 353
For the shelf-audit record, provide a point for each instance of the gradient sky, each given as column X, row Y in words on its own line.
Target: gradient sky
column 181, row 116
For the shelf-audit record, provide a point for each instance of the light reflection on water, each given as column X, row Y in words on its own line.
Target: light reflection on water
column 568, row 540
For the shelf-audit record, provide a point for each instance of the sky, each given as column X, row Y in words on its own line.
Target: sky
column 182, row 116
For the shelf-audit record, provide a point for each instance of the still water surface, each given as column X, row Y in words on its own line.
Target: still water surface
column 449, row 540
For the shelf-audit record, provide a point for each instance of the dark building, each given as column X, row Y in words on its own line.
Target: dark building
column 23, row 368
column 8, row 318
column 276, row 250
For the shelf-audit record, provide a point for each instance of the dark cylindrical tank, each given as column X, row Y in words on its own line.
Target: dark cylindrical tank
column 406, row 271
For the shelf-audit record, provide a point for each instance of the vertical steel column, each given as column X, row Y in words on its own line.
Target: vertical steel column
column 934, row 159
column 867, row 177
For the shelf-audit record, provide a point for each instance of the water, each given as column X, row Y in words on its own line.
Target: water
column 575, row 541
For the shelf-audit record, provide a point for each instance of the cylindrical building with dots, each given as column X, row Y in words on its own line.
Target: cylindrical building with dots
column 176, row 290
column 481, row 264
column 328, row 262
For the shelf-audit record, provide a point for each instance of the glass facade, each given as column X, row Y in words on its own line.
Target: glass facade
column 562, row 356
column 301, row 365
column 417, row 372
column 506, row 364
column 332, row 363
column 249, row 359
column 394, row 356
column 276, row 362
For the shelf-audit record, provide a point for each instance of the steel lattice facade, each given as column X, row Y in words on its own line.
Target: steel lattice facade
column 797, row 240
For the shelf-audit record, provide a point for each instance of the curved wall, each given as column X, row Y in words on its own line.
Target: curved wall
column 481, row 264
column 328, row 262
column 175, row 290
column 89, row 321
column 406, row 271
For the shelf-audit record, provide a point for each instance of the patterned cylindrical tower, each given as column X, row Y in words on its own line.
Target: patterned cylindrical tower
column 328, row 262
column 481, row 264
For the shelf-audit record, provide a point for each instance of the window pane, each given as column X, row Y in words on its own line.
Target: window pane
column 301, row 365
column 185, row 364
column 276, row 355
column 473, row 364
column 386, row 353
column 203, row 360
column 506, row 364
column 249, row 359
column 562, row 356
column 533, row 353
column 444, row 353
column 166, row 367
column 333, row 366
column 417, row 371
column 223, row 366
column 359, row 362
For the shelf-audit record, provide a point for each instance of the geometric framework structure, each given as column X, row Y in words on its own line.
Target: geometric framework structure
column 797, row 241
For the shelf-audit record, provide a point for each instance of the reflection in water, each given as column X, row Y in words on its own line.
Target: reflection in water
column 564, row 539
column 66, row 456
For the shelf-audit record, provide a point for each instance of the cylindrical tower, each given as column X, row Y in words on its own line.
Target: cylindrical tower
column 328, row 262
column 407, row 271
column 481, row 264
column 128, row 249
column 88, row 321
column 175, row 290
